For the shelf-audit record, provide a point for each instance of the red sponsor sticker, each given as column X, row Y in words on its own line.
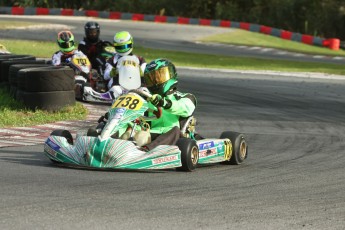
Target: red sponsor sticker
column 206, row 153
column 164, row 159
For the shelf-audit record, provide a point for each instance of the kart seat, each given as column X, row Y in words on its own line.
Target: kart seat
column 188, row 128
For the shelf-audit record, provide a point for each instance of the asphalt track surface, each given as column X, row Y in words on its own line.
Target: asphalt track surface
column 292, row 179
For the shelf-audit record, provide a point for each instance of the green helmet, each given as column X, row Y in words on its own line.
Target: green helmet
column 160, row 76
column 123, row 42
column 65, row 41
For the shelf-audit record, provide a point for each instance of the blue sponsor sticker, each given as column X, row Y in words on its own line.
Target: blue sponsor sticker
column 52, row 145
column 119, row 113
column 206, row 145
column 120, row 110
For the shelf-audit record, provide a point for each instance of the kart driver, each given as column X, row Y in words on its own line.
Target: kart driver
column 92, row 46
column 123, row 42
column 161, row 79
column 65, row 40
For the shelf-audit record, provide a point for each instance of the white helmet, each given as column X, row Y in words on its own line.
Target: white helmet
column 123, row 43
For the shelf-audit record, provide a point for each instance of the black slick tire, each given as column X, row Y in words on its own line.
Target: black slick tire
column 189, row 154
column 239, row 147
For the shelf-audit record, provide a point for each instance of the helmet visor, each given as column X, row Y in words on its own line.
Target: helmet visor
column 66, row 45
column 123, row 48
column 157, row 77
column 92, row 33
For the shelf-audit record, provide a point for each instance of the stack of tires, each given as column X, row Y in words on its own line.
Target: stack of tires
column 37, row 84
column 6, row 58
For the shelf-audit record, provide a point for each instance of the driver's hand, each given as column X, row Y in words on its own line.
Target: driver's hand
column 157, row 100
column 113, row 72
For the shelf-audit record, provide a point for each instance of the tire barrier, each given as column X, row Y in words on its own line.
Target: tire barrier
column 50, row 101
column 36, row 84
column 15, row 56
column 5, row 66
column 331, row 43
column 14, row 69
column 13, row 76
column 12, row 57
column 46, row 79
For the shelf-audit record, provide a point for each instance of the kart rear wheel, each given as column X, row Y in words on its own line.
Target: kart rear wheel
column 189, row 154
column 239, row 147
column 63, row 133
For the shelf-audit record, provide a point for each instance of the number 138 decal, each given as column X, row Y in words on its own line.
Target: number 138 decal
column 129, row 102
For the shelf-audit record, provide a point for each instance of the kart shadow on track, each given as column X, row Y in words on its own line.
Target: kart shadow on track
column 76, row 167
column 23, row 157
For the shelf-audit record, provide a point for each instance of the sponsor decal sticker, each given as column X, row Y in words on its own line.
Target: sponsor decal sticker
column 164, row 159
column 206, row 153
column 206, row 145
column 48, row 150
column 52, row 145
column 120, row 110
column 220, row 146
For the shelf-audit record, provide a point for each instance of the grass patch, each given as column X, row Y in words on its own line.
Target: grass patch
column 13, row 113
column 247, row 38
column 46, row 49
column 239, row 63
column 40, row 49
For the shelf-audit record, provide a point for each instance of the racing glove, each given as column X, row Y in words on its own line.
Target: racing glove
column 113, row 72
column 159, row 101
column 68, row 61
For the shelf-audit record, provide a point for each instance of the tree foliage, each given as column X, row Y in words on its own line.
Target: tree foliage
column 324, row 18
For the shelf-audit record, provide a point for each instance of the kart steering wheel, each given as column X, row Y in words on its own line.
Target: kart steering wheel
column 147, row 95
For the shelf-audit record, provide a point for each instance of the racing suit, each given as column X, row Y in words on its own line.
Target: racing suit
column 60, row 58
column 110, row 74
column 166, row 129
column 93, row 51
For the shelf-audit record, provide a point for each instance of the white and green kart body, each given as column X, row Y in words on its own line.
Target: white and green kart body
column 107, row 150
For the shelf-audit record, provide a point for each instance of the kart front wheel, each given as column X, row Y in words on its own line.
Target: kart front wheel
column 92, row 132
column 189, row 154
column 63, row 133
column 239, row 147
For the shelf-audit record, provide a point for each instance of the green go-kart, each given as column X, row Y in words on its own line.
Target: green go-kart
column 117, row 143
